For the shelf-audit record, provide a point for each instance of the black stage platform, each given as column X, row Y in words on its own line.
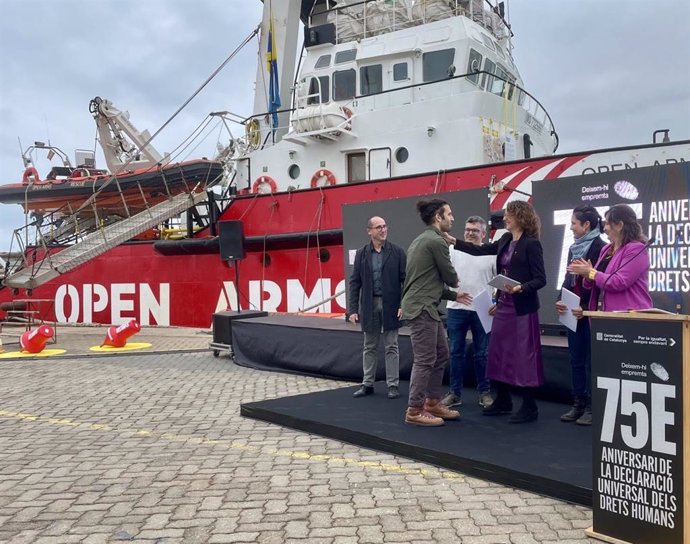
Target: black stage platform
column 332, row 348
column 547, row 457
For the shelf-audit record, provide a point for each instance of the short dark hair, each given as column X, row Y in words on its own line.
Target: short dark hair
column 428, row 208
column 584, row 213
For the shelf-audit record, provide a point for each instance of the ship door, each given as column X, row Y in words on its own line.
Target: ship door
column 400, row 80
column 380, row 163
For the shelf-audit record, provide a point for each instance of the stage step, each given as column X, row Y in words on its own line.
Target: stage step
column 100, row 241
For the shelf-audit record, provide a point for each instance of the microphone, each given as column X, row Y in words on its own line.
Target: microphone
column 600, row 301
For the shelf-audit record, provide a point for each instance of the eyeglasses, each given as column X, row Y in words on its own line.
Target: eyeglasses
column 472, row 231
column 379, row 227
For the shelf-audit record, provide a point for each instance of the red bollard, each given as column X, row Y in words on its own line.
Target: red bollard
column 35, row 341
column 117, row 336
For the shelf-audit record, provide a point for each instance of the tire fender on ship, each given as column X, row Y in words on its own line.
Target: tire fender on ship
column 28, row 173
column 261, row 183
column 323, row 173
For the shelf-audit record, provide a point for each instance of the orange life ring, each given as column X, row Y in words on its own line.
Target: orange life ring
column 262, row 181
column 323, row 173
column 30, row 171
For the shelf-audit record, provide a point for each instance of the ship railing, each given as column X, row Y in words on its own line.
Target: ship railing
column 355, row 20
column 516, row 99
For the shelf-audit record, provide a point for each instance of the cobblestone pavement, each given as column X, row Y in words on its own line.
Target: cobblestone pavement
column 151, row 448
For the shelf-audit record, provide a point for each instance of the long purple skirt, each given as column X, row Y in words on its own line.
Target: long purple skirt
column 514, row 347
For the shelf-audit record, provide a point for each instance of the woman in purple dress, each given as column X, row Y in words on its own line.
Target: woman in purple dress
column 515, row 357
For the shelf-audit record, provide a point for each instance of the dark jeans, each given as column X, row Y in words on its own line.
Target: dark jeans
column 430, row 349
column 459, row 322
column 580, row 350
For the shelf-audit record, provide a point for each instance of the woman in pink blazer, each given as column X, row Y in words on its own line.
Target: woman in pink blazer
column 619, row 277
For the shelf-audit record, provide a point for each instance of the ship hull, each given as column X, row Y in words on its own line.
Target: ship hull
column 295, row 258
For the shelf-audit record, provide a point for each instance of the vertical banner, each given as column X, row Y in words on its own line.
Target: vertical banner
column 637, row 433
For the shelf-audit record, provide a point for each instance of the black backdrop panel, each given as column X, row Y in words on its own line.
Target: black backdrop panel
column 403, row 221
column 661, row 197
column 231, row 237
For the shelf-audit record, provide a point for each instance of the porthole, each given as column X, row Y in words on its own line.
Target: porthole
column 401, row 154
column 293, row 171
column 324, row 255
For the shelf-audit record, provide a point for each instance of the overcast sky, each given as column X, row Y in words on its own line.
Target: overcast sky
column 609, row 72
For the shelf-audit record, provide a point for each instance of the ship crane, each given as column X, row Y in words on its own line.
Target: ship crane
column 123, row 145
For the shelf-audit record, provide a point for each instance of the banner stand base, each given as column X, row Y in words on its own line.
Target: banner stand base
column 591, row 533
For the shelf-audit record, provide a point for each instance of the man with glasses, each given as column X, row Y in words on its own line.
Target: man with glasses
column 475, row 272
column 374, row 300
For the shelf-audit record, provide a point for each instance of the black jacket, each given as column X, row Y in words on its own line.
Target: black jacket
column 526, row 266
column 574, row 284
column 361, row 288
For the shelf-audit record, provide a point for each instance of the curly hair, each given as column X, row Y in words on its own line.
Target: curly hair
column 632, row 230
column 525, row 216
column 428, row 208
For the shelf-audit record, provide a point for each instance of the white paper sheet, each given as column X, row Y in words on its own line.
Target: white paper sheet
column 571, row 301
column 351, row 256
column 500, row 282
column 481, row 302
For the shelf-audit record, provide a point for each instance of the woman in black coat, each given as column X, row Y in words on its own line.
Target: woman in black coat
column 586, row 226
column 515, row 357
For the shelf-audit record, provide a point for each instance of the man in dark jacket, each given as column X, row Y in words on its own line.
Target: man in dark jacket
column 374, row 300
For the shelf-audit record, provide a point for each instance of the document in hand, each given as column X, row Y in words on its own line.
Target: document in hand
column 571, row 301
column 500, row 282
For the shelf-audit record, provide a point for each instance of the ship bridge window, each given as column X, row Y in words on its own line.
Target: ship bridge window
column 436, row 64
column 488, row 41
column 474, row 65
column 345, row 56
column 318, row 90
column 344, row 84
column 487, row 78
column 370, row 79
column 324, row 61
column 400, row 72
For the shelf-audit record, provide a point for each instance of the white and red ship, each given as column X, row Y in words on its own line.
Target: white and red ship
column 391, row 99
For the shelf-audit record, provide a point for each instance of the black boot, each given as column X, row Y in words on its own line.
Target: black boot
column 577, row 409
column 503, row 403
column 528, row 411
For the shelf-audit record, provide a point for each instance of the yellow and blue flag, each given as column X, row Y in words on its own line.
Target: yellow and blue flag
column 273, row 86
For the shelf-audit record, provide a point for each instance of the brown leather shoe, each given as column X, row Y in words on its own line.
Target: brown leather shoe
column 437, row 409
column 417, row 416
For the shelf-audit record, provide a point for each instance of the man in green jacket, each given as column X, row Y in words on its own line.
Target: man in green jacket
column 428, row 274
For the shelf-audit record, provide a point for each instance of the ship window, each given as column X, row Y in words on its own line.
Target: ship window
column 356, row 167
column 323, row 62
column 402, row 154
column 344, row 84
column 488, row 41
column 487, row 78
column 370, row 79
column 345, row 56
column 400, row 71
column 474, row 65
column 293, row 171
column 436, row 64
column 499, row 51
column 314, row 84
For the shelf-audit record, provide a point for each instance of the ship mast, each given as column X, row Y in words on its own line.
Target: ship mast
column 285, row 16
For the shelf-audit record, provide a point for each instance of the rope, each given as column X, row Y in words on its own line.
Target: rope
column 317, row 218
column 170, row 119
